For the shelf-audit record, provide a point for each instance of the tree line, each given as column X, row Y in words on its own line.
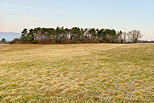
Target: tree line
column 62, row 35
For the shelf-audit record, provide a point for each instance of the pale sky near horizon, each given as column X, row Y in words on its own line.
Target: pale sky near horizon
column 125, row 15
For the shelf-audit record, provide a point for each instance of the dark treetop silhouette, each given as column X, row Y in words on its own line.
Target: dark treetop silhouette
column 62, row 35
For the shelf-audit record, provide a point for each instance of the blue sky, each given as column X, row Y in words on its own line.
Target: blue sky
column 122, row 15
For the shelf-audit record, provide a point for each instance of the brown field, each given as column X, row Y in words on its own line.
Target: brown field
column 76, row 73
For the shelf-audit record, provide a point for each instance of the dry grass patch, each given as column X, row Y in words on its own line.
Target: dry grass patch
column 17, row 47
column 78, row 73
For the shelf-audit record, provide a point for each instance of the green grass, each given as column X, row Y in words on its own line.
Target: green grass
column 77, row 73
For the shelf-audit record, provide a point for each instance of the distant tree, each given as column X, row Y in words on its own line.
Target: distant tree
column 30, row 36
column 3, row 40
column 38, row 34
column 51, row 35
column 60, row 34
column 75, row 34
column 135, row 35
column 122, row 37
column 24, row 36
column 101, row 35
column 93, row 34
column 112, row 36
column 107, row 35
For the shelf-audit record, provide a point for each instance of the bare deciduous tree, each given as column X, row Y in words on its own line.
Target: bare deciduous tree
column 123, row 37
column 135, row 35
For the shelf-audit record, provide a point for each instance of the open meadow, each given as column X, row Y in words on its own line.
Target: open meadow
column 76, row 73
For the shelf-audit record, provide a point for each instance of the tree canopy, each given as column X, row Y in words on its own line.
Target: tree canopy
column 62, row 35
column 3, row 40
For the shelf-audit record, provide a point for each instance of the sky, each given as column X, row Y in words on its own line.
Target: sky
column 125, row 15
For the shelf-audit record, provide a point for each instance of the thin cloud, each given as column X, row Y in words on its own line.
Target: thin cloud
column 43, row 9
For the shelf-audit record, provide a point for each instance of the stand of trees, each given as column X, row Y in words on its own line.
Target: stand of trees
column 3, row 41
column 62, row 35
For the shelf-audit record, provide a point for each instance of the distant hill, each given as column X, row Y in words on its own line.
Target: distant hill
column 9, row 35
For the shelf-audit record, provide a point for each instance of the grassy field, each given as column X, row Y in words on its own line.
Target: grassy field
column 77, row 73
